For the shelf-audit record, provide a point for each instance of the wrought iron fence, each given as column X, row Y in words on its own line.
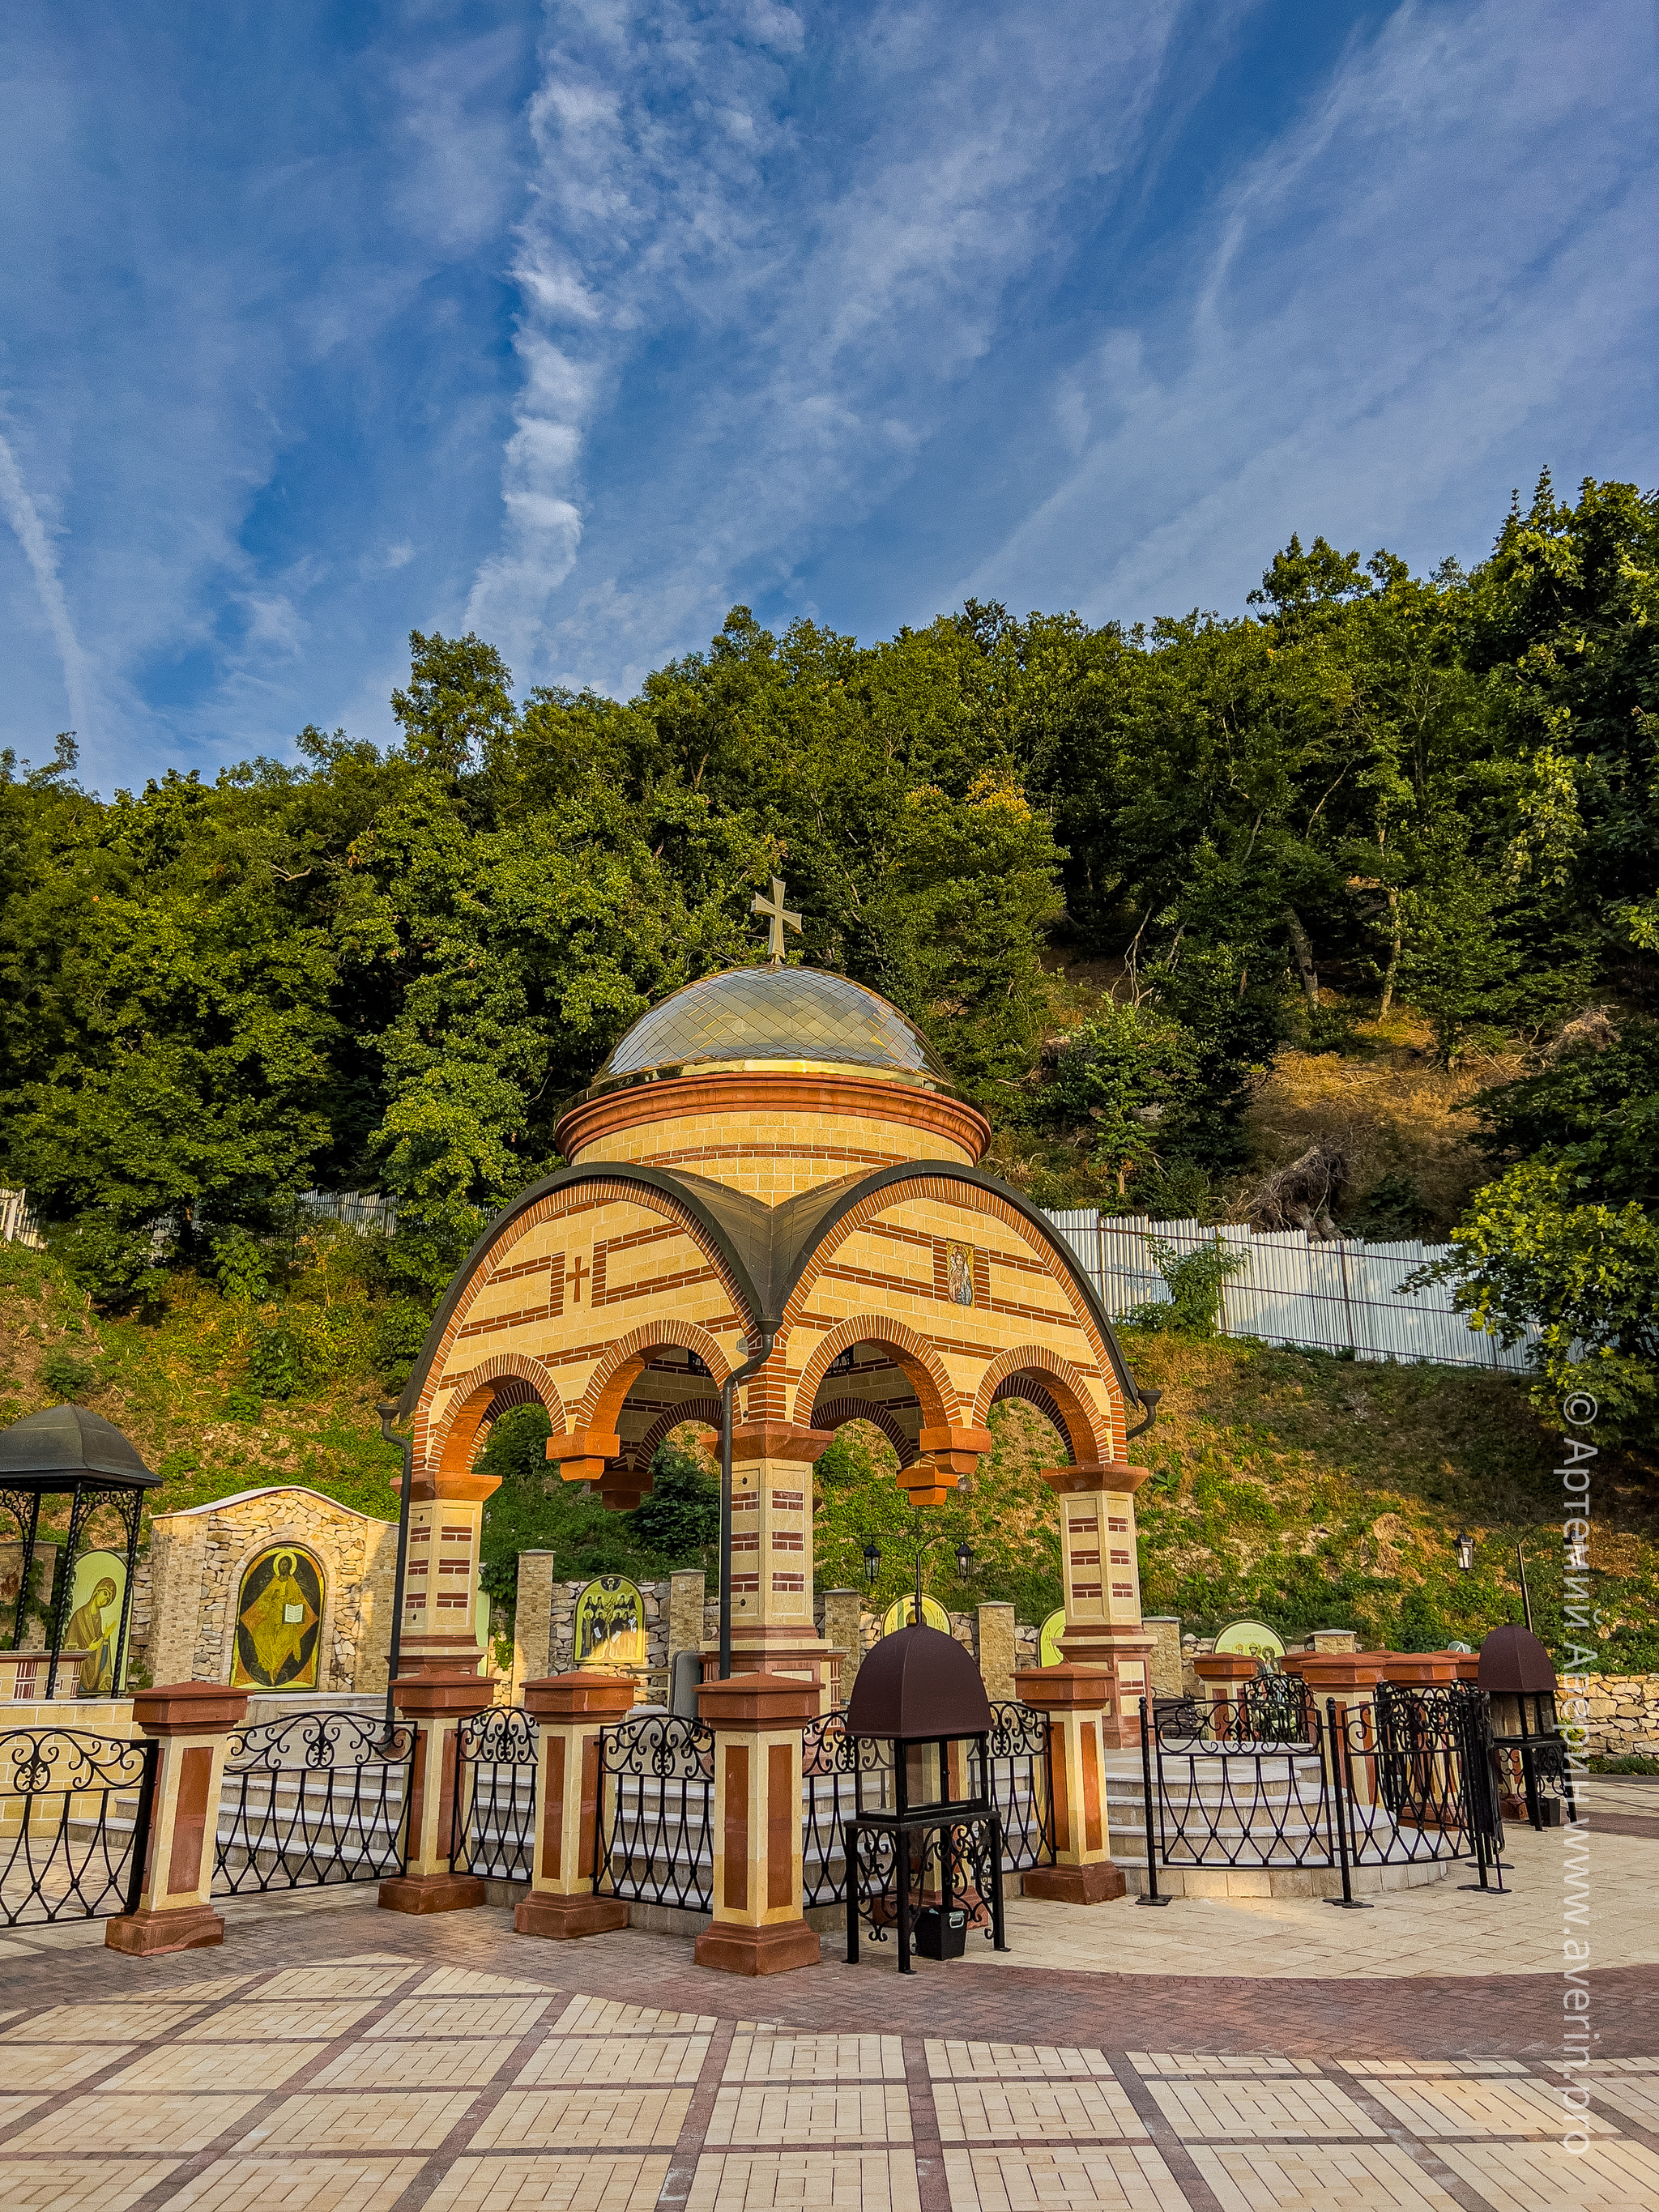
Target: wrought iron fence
column 838, row 1774
column 654, row 1838
column 1267, row 1781
column 75, row 1820
column 313, row 1798
column 1019, row 1784
column 494, row 1829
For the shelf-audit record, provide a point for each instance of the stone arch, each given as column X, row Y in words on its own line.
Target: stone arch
column 506, row 1378
column 912, row 1352
column 832, row 1413
column 707, row 1410
column 624, row 1361
column 1063, row 1389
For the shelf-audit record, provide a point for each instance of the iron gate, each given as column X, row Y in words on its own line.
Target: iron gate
column 653, row 1833
column 74, row 1821
column 313, row 1798
column 494, row 1815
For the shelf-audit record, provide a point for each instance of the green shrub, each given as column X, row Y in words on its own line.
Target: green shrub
column 64, row 1377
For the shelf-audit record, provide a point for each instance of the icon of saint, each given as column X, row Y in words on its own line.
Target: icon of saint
column 277, row 1620
column 89, row 1633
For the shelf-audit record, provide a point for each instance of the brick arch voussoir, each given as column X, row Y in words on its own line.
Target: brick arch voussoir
column 453, row 1443
column 622, row 1363
column 1089, row 1432
column 832, row 1413
column 940, row 1399
column 707, row 1410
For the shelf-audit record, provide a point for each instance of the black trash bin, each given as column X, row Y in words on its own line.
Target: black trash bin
column 941, row 1934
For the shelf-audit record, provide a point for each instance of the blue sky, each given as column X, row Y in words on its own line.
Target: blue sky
column 577, row 324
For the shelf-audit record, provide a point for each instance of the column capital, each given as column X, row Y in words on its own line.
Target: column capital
column 755, row 1702
column 1330, row 1673
column 1419, row 1665
column 1070, row 1687
column 753, row 1440
column 583, row 1695
column 189, row 1708
column 448, row 1694
column 1224, row 1666
column 1115, row 1476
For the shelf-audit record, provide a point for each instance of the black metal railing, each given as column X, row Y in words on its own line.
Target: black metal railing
column 494, row 1830
column 840, row 1774
column 654, row 1838
column 75, row 1820
column 1019, row 1784
column 1404, row 1778
column 313, row 1798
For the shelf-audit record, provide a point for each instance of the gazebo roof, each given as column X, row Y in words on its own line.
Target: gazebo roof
column 1514, row 1664
column 67, row 1444
column 917, row 1686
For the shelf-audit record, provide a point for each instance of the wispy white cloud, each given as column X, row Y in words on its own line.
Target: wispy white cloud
column 25, row 520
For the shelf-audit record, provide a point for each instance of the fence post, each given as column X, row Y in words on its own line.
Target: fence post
column 570, row 1710
column 436, row 1703
column 1075, row 1699
column 190, row 1723
column 759, row 1926
column 1223, row 1676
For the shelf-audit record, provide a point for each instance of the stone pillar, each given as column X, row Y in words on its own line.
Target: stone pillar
column 1351, row 1678
column 996, row 1650
column 1420, row 1667
column 446, row 1516
column 1219, row 1675
column 532, row 1622
column 1076, row 1699
column 192, row 1722
column 686, row 1596
column 1102, row 1582
column 842, row 1613
column 1334, row 1639
column 772, row 1627
column 177, row 1560
column 435, row 1704
column 1164, row 1662
column 570, row 1710
column 759, row 1926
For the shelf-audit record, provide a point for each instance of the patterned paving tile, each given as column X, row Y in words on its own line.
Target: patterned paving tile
column 1034, row 2111
column 598, row 2119
column 1426, row 2068
column 109, row 2023
column 81, row 2185
column 1483, row 2108
column 549, row 2184
column 218, row 1987
column 969, row 2062
column 436, row 2066
column 768, row 2055
column 1607, row 2066
column 305, row 1985
column 1320, row 2178
column 600, row 2016
column 259, row 2066
column 54, row 2065
column 469, row 1982
column 616, row 2058
column 329, row 2119
column 419, row 2015
column 1542, row 2176
column 13, row 2109
column 1175, row 2063
column 134, row 2123
column 1130, row 2178
column 1636, row 2096
column 1203, row 2111
column 804, row 2181
column 297, row 2184
column 816, row 2113
column 249, row 2021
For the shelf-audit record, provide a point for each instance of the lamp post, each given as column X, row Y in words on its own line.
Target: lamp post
column 1465, row 1544
column 919, row 1546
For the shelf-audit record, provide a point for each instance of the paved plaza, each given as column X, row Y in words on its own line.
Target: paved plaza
column 1240, row 2056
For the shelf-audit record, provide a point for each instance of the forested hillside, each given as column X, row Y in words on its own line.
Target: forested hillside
column 1151, row 892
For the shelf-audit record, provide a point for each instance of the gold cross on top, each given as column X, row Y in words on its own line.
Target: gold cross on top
column 780, row 919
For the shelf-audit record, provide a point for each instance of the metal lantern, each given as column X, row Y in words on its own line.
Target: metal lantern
column 1465, row 1544
column 871, row 1560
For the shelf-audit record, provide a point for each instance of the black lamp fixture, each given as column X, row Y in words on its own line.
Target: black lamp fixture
column 964, row 1559
column 1465, row 1544
column 918, row 1541
column 871, row 1560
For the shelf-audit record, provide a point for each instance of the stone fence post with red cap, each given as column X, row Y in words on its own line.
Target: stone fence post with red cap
column 191, row 1722
column 436, row 1705
column 1077, row 1700
column 759, row 1926
column 570, row 1710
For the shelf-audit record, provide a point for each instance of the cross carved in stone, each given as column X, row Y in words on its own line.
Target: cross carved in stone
column 576, row 1276
column 780, row 917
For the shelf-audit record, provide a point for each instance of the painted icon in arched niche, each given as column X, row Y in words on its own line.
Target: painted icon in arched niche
column 611, row 1624
column 94, row 1627
column 279, row 1619
column 902, row 1614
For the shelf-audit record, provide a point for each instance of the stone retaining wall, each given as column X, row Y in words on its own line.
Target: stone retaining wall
column 1621, row 1715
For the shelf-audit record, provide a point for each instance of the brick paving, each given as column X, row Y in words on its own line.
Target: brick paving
column 345, row 2060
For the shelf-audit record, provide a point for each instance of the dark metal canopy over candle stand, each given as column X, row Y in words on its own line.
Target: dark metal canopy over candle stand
column 932, row 1859
column 1518, row 1676
column 69, row 1452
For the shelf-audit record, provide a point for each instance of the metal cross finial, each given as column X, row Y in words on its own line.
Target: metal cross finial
column 780, row 919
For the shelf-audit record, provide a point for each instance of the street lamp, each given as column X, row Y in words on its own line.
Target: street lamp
column 917, row 1545
column 1465, row 1544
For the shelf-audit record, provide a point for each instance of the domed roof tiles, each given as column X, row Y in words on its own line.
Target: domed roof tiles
column 747, row 1014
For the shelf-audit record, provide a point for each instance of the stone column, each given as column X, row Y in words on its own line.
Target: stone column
column 1351, row 1678
column 996, row 1650
column 1076, row 1699
column 842, row 1610
column 570, row 1710
column 1102, row 1581
column 772, row 1627
column 1164, row 1662
column 192, row 1722
column 532, row 1622
column 446, row 1516
column 1421, row 1667
column 1219, row 1675
column 435, row 1704
column 758, row 1925
column 686, row 1595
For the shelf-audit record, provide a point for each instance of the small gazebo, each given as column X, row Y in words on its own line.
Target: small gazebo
column 920, row 1697
column 70, row 1451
